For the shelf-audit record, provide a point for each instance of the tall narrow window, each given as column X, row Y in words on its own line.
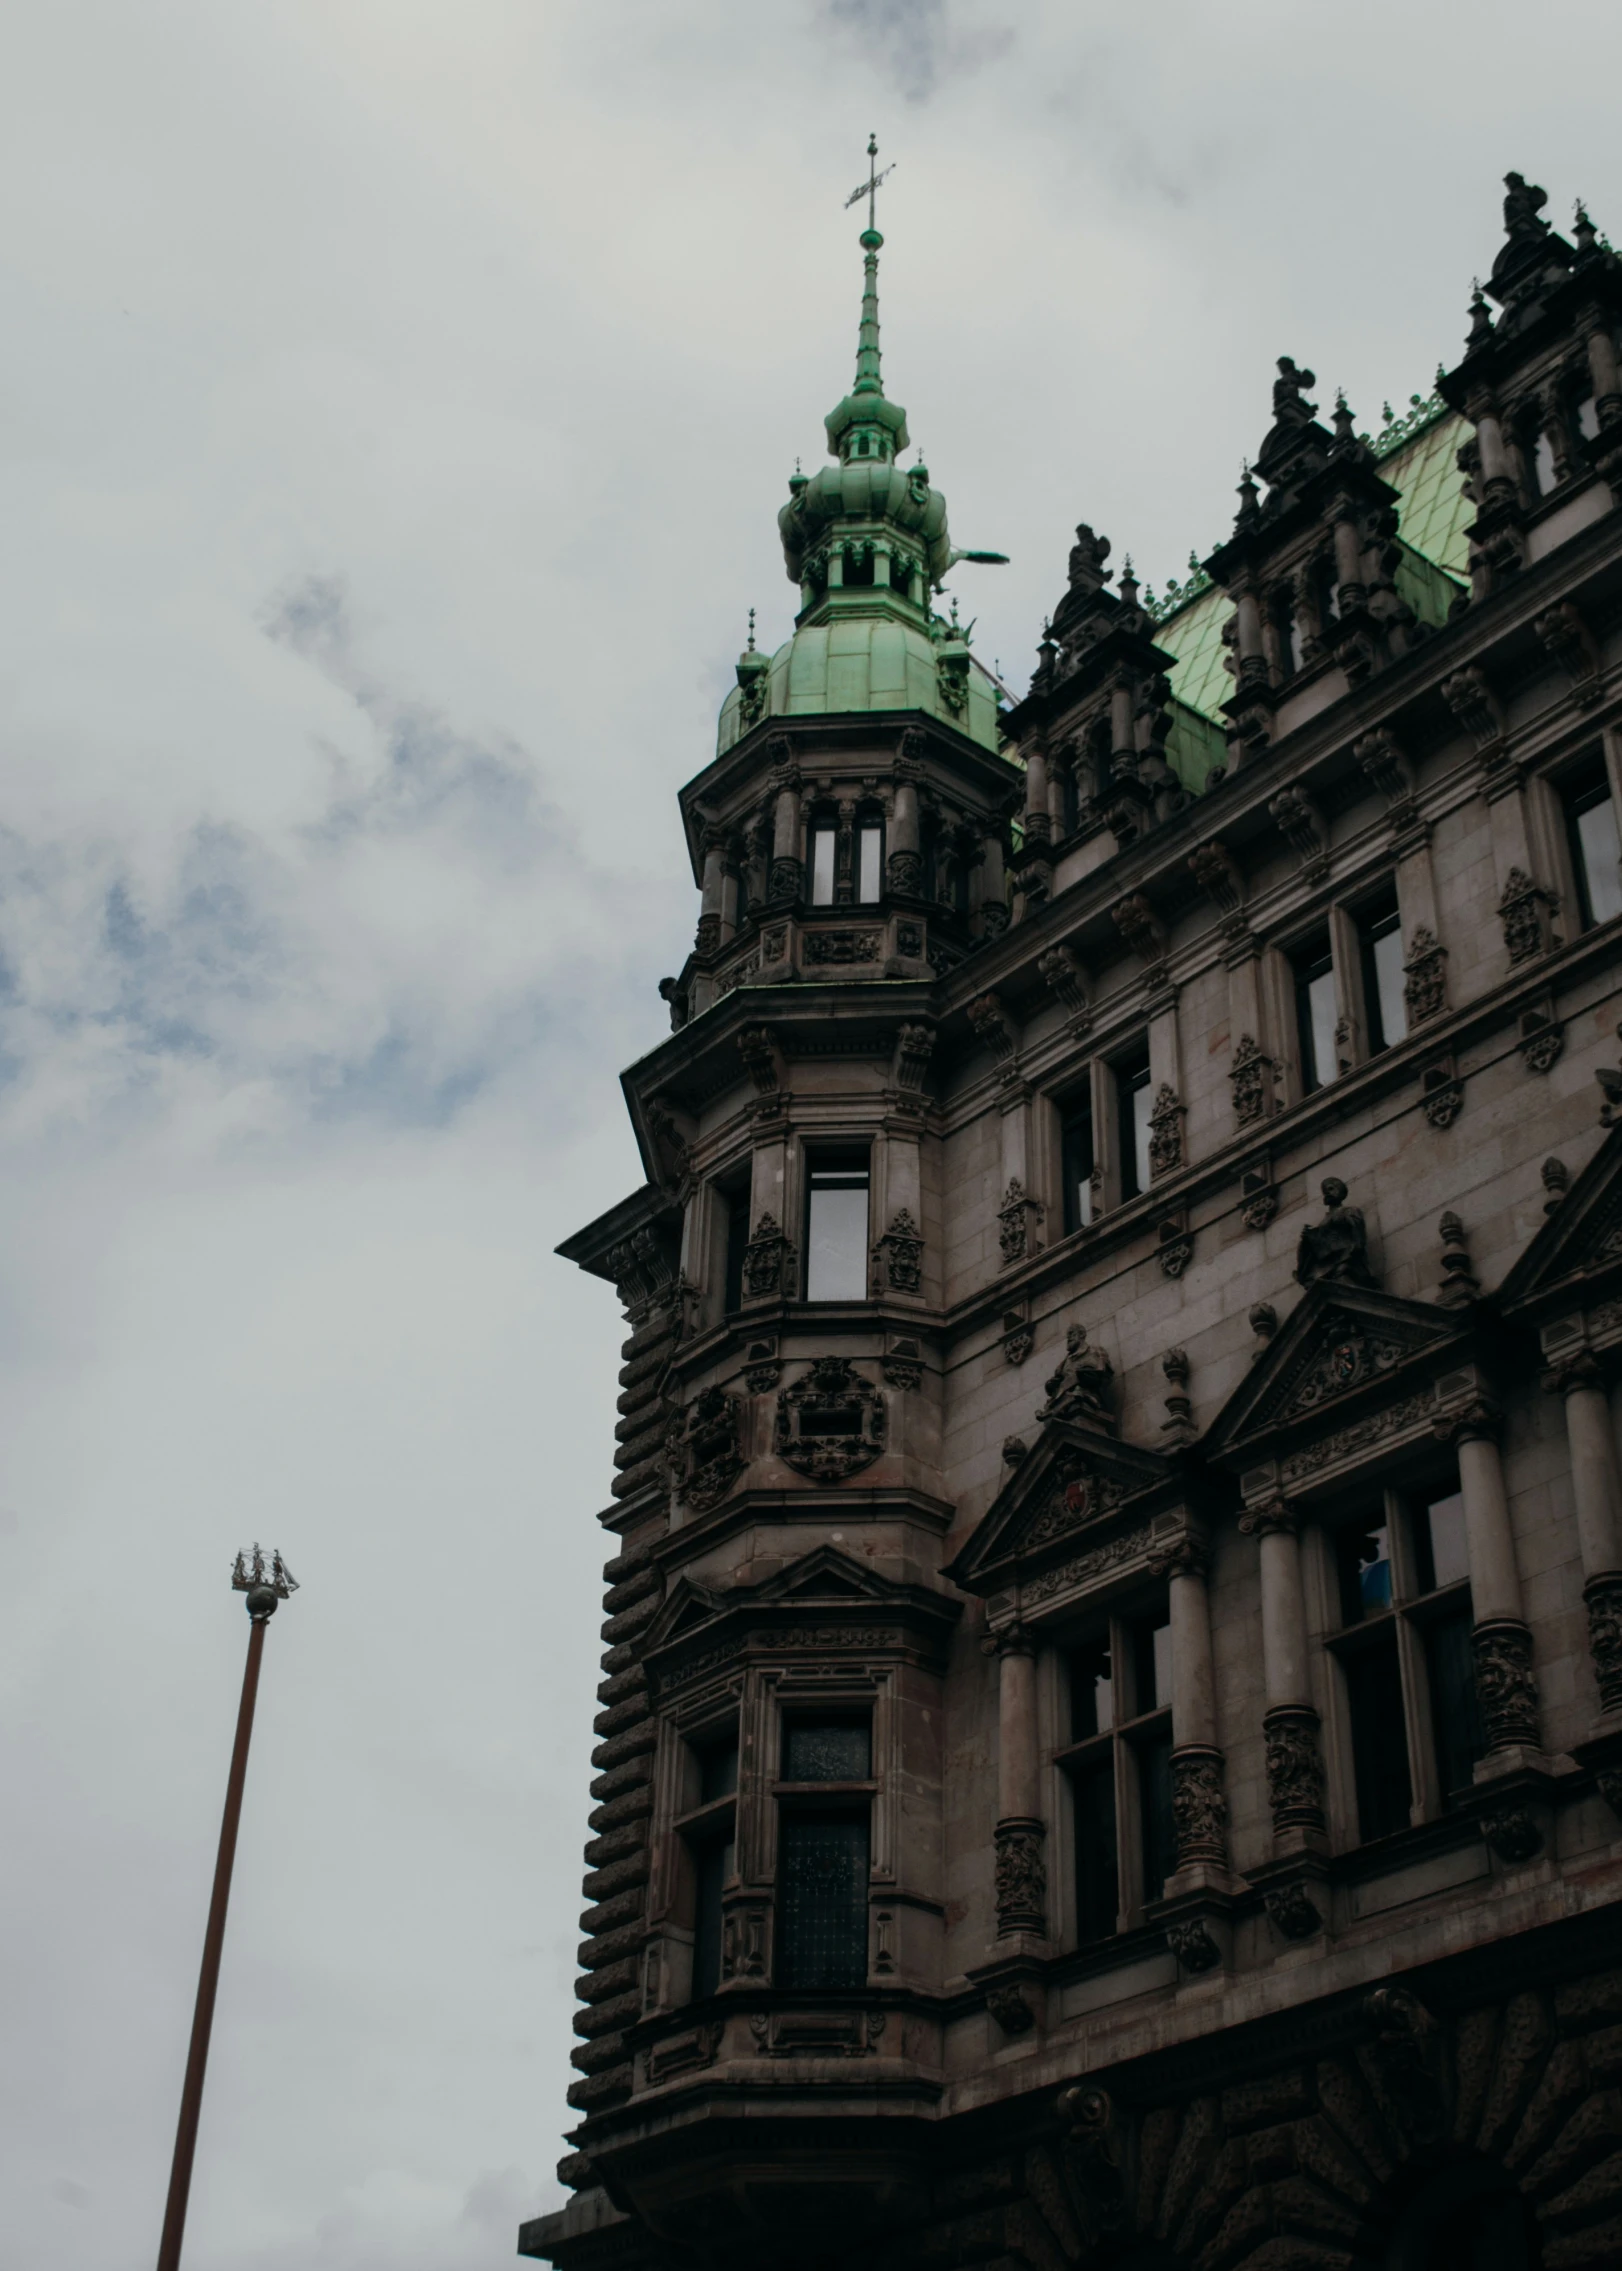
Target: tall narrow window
column 824, row 862
column 1118, row 1763
column 825, row 1803
column 736, row 1201
column 1076, row 1161
column 1596, row 855
column 870, row 862
column 836, row 1226
column 708, row 1830
column 1380, row 938
column 1315, row 1014
column 1134, row 1099
column 1405, row 1653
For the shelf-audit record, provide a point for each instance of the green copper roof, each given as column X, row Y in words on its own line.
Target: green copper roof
column 1420, row 460
column 870, row 663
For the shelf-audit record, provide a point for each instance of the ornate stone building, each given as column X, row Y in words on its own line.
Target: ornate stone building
column 1111, row 1732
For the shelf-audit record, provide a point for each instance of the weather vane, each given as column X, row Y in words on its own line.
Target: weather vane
column 869, row 188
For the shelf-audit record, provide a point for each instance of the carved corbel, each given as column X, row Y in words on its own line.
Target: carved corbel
column 1525, row 910
column 1143, row 930
column 1065, row 976
column 1424, row 982
column 914, row 1046
column 1213, row 868
column 1568, row 640
column 994, row 1027
column 1303, row 828
column 1383, row 761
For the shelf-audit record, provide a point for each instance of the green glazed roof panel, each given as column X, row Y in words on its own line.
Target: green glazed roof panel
column 1434, row 512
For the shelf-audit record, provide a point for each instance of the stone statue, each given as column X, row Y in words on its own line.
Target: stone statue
column 1083, row 1388
column 1337, row 1247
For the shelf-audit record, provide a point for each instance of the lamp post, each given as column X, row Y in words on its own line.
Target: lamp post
column 265, row 1588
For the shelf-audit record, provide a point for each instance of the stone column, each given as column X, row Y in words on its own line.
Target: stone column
column 1596, row 1486
column 1602, row 367
column 1123, row 740
column 785, row 879
column 1348, row 555
column 1502, row 1641
column 904, row 863
column 1252, row 659
column 1199, row 1806
column 1038, row 823
column 1021, row 1867
column 1295, row 1775
column 1497, row 473
column 714, row 887
column 993, row 886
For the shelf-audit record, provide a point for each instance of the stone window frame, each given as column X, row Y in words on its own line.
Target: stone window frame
column 1330, row 1640
column 1120, row 1612
column 1546, row 793
column 1342, row 919
column 680, row 1735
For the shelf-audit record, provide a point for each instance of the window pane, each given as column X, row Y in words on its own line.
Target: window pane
column 1092, row 1692
column 1588, row 418
column 714, row 1866
column 1142, row 1103
column 870, row 864
column 1379, row 1740
column 1097, row 1886
column 1076, row 1139
column 1159, row 1828
column 1598, row 850
column 1455, row 1712
column 822, row 1901
column 1365, row 1572
column 1315, row 1018
column 1151, row 1664
column 823, row 841
column 1385, row 959
column 836, row 1235
column 737, row 1240
column 837, row 1750
column 1543, row 473
column 1440, row 1544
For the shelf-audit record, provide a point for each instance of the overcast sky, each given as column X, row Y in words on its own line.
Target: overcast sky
column 395, row 404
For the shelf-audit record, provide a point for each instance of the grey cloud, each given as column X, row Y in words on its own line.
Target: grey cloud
column 917, row 41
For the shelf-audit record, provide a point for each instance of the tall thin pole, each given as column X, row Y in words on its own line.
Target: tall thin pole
column 264, row 1590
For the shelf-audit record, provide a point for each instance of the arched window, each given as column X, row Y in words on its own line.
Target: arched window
column 822, row 855
column 869, row 860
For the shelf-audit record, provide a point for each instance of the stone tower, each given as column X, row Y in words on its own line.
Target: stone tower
column 1111, row 1731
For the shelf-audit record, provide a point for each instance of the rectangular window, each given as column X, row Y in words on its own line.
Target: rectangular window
column 824, row 861
column 1596, row 855
column 822, row 1901
column 1380, row 936
column 737, row 1236
column 1405, row 1653
column 1134, row 1099
column 823, row 1856
column 1076, row 1162
column 709, row 1834
column 1121, row 1740
column 1315, row 1018
column 870, row 863
column 1097, row 1861
column 836, row 1227
column 1379, row 1739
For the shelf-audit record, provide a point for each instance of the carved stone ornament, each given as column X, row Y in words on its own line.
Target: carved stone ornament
column 1258, row 1196
column 1021, row 1875
column 1193, row 1946
column 1080, row 1498
column 1096, row 2155
column 784, row 886
column 1165, row 1132
column 1337, row 1247
column 709, row 1456
column 903, row 1249
column 1603, row 1596
column 1506, row 1686
column 1014, row 1219
column 1199, row 1806
column 902, row 1364
column 768, row 1260
column 1474, row 704
column 1009, row 2008
column 842, row 945
column 1292, row 1912
column 1018, row 1344
column 1424, row 984
column 1295, row 1773
column 1514, row 1833
column 831, row 1422
column 1175, row 1248
column 1251, row 1074
column 1521, row 910
column 1441, row 1094
column 1353, row 1357
column 905, row 872
column 1083, row 1388
column 1409, row 2053
column 1542, row 1042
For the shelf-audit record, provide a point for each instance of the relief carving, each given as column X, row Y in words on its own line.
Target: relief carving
column 1295, row 1774
column 1603, row 1596
column 1021, row 1877
column 1505, row 1683
column 708, row 1449
column 832, row 1422
column 1083, row 1388
column 1199, row 1806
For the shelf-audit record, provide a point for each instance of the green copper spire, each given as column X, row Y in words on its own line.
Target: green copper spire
column 866, row 425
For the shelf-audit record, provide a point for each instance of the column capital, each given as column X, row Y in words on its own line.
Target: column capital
column 1010, row 1640
column 1580, row 1370
column 1187, row 1556
column 1270, row 1516
column 1477, row 1421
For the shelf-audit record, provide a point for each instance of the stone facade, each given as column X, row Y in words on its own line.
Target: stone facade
column 1195, row 1536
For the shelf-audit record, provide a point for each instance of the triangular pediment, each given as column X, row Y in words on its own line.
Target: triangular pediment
column 686, row 1608
column 1343, row 1344
column 824, row 1574
column 1075, row 1479
column 1579, row 1245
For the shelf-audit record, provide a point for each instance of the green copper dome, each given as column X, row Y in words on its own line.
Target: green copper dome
column 866, row 540
column 868, row 662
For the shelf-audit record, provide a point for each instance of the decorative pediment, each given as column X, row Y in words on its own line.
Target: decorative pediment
column 1579, row 1247
column 1345, row 1346
column 1076, row 1482
column 826, row 1603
